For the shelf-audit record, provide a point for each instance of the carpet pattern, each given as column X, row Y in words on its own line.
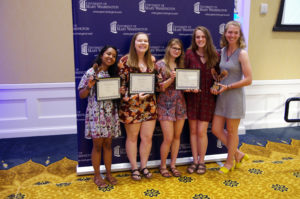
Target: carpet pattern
column 273, row 171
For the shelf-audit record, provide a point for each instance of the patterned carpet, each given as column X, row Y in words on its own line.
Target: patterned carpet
column 273, row 171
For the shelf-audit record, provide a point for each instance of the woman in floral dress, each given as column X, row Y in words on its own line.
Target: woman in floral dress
column 171, row 107
column 137, row 111
column 101, row 119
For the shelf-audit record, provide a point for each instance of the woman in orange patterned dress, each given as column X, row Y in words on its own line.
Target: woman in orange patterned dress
column 137, row 111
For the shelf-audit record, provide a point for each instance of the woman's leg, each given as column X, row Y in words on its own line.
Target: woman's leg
column 178, row 125
column 146, row 133
column 202, row 139
column 232, row 126
column 96, row 161
column 219, row 131
column 193, row 140
column 132, row 131
column 167, row 128
column 107, row 156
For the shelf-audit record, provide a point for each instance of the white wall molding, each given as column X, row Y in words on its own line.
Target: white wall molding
column 50, row 108
column 265, row 103
column 37, row 109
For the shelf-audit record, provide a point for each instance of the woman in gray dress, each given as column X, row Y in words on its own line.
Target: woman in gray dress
column 230, row 106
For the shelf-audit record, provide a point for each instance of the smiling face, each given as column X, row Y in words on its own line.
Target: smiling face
column 200, row 39
column 109, row 57
column 232, row 34
column 141, row 43
column 175, row 50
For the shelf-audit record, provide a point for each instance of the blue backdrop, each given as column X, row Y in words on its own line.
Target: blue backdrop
column 100, row 22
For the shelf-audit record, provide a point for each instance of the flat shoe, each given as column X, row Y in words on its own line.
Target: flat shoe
column 135, row 176
column 164, row 172
column 175, row 172
column 111, row 180
column 100, row 183
column 146, row 174
column 201, row 169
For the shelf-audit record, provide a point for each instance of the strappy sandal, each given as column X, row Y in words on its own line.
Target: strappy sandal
column 100, row 183
column 111, row 180
column 135, row 176
column 175, row 172
column 201, row 169
column 192, row 168
column 164, row 172
column 146, row 174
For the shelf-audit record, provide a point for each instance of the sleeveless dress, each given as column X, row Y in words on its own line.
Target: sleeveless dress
column 134, row 110
column 200, row 106
column 170, row 103
column 231, row 103
column 101, row 117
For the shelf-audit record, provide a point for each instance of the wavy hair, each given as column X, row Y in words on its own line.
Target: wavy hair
column 113, row 69
column 241, row 40
column 210, row 52
column 179, row 60
column 132, row 56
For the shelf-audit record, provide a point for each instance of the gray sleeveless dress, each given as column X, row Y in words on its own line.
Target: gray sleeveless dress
column 231, row 103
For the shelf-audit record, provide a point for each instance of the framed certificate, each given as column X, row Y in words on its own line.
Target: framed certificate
column 187, row 79
column 141, row 83
column 108, row 88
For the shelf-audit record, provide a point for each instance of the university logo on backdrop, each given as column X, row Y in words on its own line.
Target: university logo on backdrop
column 157, row 8
column 126, row 29
column 182, row 30
column 86, row 49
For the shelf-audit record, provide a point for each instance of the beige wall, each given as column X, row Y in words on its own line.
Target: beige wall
column 273, row 55
column 36, row 43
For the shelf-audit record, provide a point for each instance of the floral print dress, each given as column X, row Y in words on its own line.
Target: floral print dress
column 134, row 110
column 101, row 118
column 170, row 103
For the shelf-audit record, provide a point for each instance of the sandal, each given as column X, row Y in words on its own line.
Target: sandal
column 135, row 176
column 175, row 172
column 146, row 174
column 201, row 169
column 111, row 179
column 164, row 172
column 192, row 168
column 100, row 182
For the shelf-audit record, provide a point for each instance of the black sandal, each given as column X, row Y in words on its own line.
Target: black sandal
column 146, row 174
column 201, row 169
column 135, row 176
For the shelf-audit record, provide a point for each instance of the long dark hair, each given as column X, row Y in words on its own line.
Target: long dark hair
column 113, row 69
column 210, row 51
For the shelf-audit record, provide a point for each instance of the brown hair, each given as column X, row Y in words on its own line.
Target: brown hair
column 241, row 41
column 210, row 52
column 132, row 56
column 179, row 60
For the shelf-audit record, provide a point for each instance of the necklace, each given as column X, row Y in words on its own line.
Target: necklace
column 229, row 56
column 142, row 67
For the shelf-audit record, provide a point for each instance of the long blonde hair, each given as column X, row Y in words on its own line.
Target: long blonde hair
column 241, row 41
column 132, row 56
column 210, row 52
column 179, row 60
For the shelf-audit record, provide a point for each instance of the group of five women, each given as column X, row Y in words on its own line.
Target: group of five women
column 139, row 112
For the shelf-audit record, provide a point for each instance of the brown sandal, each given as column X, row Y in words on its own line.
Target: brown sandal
column 111, row 179
column 100, row 182
column 164, row 172
column 135, row 176
column 192, row 168
column 146, row 174
column 175, row 172
column 201, row 169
